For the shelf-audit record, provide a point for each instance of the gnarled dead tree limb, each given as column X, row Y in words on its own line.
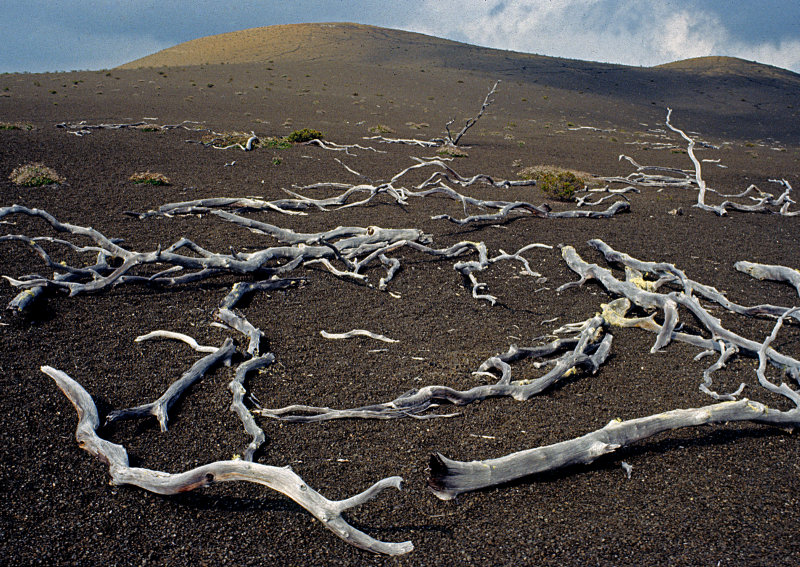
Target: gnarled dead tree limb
column 453, row 140
column 642, row 293
column 281, row 479
column 160, row 407
column 238, row 390
column 762, row 202
column 450, row 139
column 449, row 478
column 770, row 272
column 586, row 352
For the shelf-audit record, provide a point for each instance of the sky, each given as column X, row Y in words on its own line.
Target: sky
column 65, row 35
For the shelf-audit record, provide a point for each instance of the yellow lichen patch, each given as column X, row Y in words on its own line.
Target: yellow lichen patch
column 613, row 313
column 636, row 278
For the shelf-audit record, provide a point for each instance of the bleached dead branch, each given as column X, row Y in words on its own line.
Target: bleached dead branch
column 450, row 139
column 663, row 177
column 280, row 479
column 160, row 407
column 584, row 353
column 358, row 333
column 449, row 478
column 177, row 337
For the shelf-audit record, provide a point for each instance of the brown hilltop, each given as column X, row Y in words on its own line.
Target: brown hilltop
column 708, row 91
column 298, row 42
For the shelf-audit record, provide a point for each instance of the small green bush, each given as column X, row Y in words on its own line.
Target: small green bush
column 304, row 135
column 35, row 175
column 452, row 151
column 272, row 142
column 562, row 185
column 381, row 129
column 556, row 182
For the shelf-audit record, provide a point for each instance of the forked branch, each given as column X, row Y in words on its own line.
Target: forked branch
column 280, row 479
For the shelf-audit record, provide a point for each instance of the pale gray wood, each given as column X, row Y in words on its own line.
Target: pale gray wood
column 280, row 479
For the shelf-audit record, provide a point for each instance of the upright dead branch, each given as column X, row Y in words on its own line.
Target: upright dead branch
column 453, row 140
column 450, row 139
column 762, row 202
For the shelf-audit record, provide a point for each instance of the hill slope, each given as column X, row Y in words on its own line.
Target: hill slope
column 721, row 96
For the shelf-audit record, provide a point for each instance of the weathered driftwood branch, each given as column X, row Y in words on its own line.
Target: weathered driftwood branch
column 666, row 273
column 540, row 212
column 160, row 407
column 343, row 244
column 770, row 272
column 449, row 478
column 763, row 202
column 358, row 333
column 238, row 390
column 642, row 294
column 350, row 243
column 177, row 337
column 450, row 140
column 586, row 352
column 280, row 479
column 332, row 146
column 230, row 317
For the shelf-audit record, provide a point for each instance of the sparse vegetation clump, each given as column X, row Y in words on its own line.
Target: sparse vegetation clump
column 15, row 126
column 304, row 135
column 275, row 142
column 149, row 178
column 381, row 129
column 557, row 182
column 35, row 175
column 452, row 151
column 227, row 139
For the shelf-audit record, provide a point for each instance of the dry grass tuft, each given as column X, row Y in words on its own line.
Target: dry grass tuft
column 35, row 175
column 452, row 151
column 149, row 178
column 381, row 129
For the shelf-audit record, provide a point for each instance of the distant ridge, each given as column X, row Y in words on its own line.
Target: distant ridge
column 726, row 95
column 343, row 41
column 720, row 65
column 325, row 41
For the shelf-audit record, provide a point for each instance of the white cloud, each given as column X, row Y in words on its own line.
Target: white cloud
column 632, row 32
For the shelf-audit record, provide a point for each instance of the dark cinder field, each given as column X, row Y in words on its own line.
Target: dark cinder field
column 722, row 495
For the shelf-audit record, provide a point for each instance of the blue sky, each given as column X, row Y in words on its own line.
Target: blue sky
column 50, row 35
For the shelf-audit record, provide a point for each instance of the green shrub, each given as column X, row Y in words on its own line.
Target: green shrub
column 304, row 135
column 562, row 185
column 35, row 175
column 272, row 142
column 15, row 126
column 556, row 182
column 452, row 151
